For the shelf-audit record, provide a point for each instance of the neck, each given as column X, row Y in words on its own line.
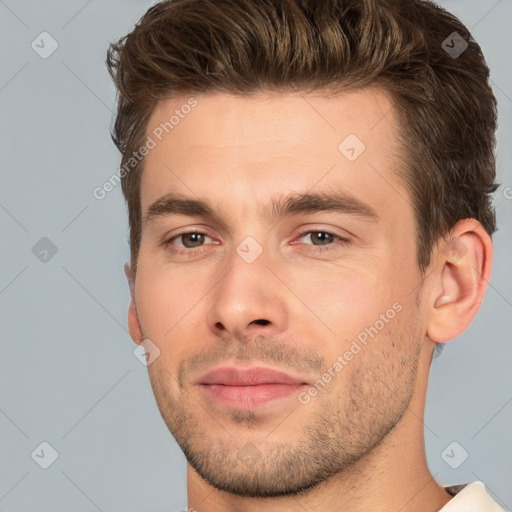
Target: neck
column 393, row 476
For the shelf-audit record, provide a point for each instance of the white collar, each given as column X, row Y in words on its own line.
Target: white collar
column 472, row 498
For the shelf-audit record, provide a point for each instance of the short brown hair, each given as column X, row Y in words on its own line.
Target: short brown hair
column 444, row 100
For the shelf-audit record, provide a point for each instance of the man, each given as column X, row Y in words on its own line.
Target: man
column 309, row 191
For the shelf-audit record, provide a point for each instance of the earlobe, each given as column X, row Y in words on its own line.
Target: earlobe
column 134, row 327
column 460, row 280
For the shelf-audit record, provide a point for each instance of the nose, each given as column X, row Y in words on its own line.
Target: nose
column 247, row 301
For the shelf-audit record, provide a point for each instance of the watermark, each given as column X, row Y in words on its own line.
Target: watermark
column 455, row 250
column 147, row 352
column 454, row 45
column 507, row 192
column 354, row 349
column 44, row 250
column 249, row 454
column 351, row 147
column 44, row 455
column 152, row 140
column 249, row 249
column 454, row 455
column 44, row 45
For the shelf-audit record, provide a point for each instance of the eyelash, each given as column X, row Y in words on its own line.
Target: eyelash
column 197, row 250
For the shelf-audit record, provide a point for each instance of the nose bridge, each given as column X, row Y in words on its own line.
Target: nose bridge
column 247, row 296
column 247, row 275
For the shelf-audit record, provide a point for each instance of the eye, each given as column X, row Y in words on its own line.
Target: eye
column 189, row 240
column 322, row 238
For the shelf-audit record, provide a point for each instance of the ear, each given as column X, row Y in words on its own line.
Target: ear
column 459, row 281
column 133, row 317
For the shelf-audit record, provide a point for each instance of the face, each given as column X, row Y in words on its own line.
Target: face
column 277, row 278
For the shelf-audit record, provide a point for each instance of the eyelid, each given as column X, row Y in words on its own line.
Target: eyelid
column 185, row 230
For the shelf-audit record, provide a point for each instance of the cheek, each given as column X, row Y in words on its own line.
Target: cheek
column 172, row 308
column 345, row 298
column 365, row 311
column 162, row 302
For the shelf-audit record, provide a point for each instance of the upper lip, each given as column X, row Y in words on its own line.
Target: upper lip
column 233, row 376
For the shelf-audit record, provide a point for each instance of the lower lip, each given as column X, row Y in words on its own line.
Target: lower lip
column 249, row 397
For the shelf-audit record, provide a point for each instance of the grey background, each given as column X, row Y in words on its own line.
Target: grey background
column 68, row 375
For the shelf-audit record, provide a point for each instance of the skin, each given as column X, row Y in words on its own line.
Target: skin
column 358, row 444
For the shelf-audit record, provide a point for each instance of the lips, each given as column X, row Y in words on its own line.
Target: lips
column 231, row 376
column 246, row 388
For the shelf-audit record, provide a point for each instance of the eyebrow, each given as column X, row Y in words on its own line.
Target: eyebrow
column 282, row 206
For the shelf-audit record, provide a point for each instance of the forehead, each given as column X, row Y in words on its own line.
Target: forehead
column 237, row 147
column 273, row 118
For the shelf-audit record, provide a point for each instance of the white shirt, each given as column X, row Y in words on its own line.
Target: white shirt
column 472, row 498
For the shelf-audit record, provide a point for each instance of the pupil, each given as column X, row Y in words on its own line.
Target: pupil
column 195, row 238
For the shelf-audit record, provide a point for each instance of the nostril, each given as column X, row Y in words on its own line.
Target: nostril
column 260, row 322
